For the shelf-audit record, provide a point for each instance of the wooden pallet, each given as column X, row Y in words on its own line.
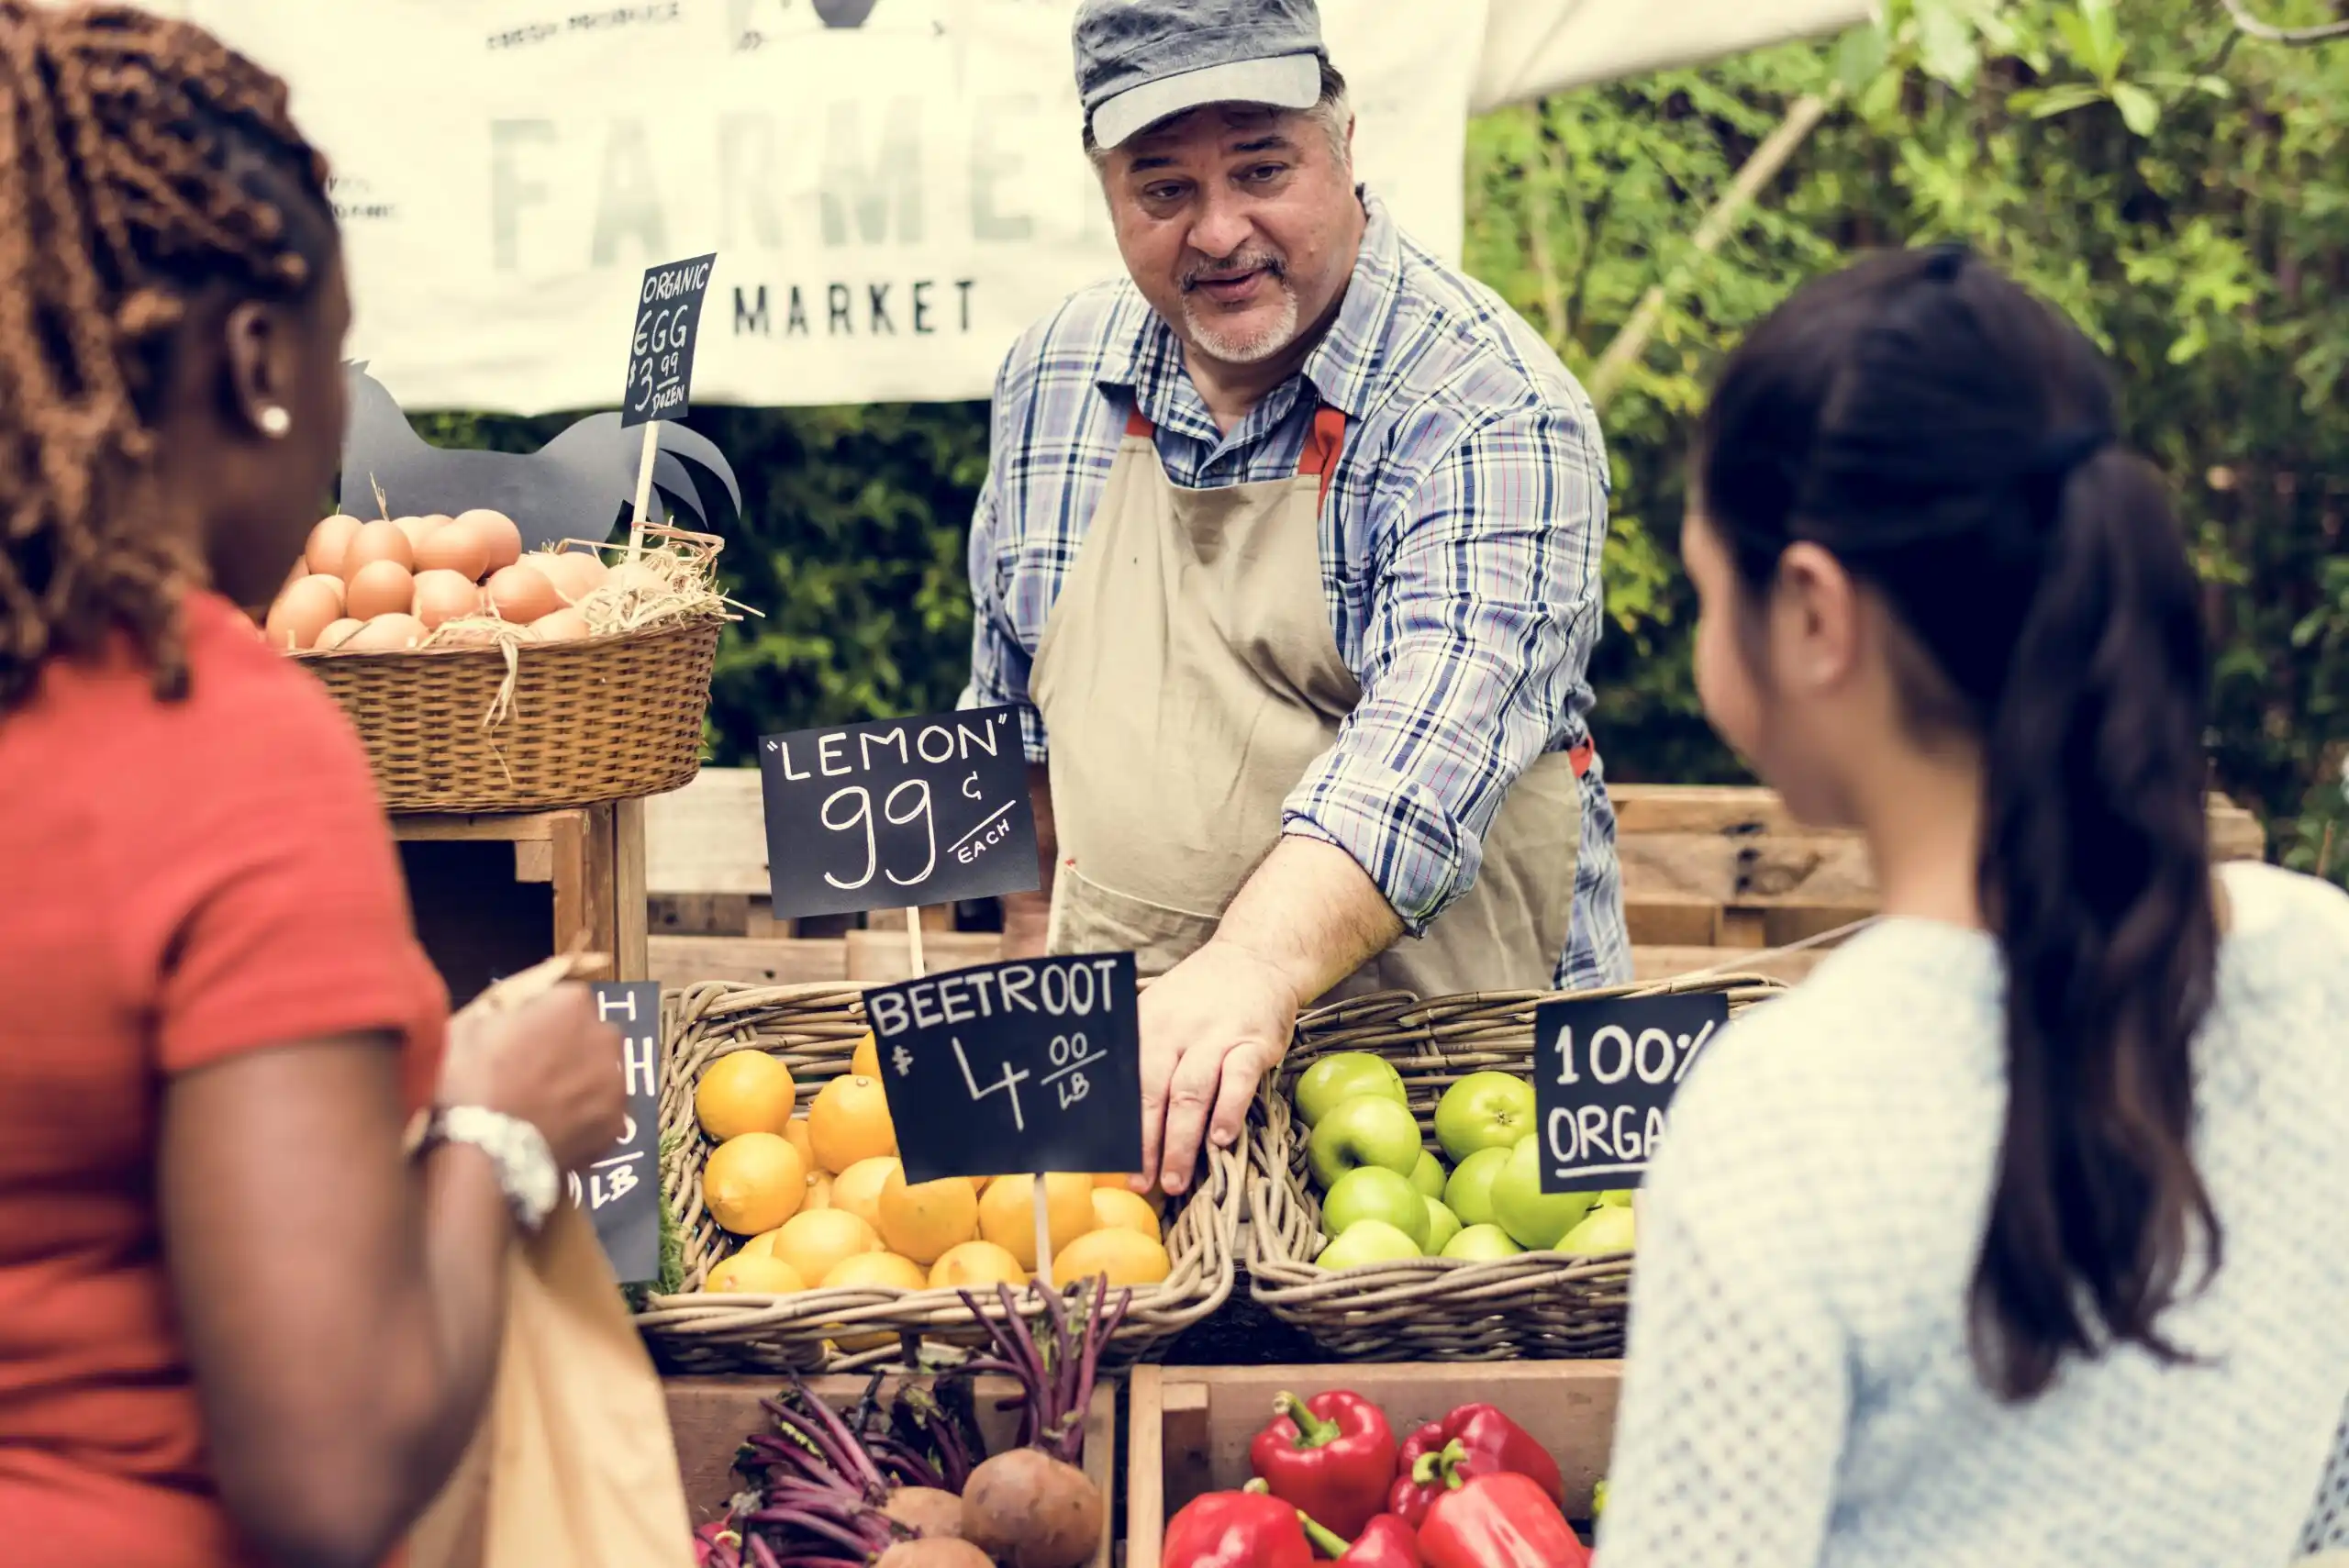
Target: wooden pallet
column 1711, row 873
column 1188, row 1427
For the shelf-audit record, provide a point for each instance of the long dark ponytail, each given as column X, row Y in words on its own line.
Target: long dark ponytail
column 1951, row 439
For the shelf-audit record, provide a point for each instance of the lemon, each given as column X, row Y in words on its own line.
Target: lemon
column 1008, row 1214
column 753, row 1183
column 877, row 1270
column 858, row 1188
column 924, row 1222
column 978, row 1267
column 1126, row 1257
column 1114, row 1207
column 744, row 1091
column 865, row 1060
column 815, row 1243
column 754, row 1274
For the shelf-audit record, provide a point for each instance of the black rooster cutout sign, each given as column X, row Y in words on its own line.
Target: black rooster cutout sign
column 578, row 485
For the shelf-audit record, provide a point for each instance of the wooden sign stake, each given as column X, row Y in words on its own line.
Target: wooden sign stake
column 1044, row 1235
column 913, row 939
column 644, row 496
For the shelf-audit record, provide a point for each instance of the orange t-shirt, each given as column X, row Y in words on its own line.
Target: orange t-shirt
column 179, row 882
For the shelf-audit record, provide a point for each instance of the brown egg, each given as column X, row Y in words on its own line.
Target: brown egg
column 635, row 578
column 453, row 549
column 563, row 625
column 497, row 533
column 387, row 634
column 332, row 585
column 328, row 543
column 436, row 521
column 295, row 573
column 304, row 610
column 376, row 541
column 415, row 529
column 575, row 574
column 521, row 594
column 445, row 596
column 380, row 588
column 338, row 632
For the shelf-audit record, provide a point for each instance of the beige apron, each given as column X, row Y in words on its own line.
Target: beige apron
column 1189, row 678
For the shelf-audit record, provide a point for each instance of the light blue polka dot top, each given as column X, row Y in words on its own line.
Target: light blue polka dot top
column 1799, row 1390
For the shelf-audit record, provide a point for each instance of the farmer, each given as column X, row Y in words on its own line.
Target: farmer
column 1288, row 558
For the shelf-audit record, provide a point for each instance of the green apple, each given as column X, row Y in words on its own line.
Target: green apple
column 1605, row 1230
column 1372, row 1242
column 1374, row 1192
column 1469, row 1193
column 1481, row 1244
column 1619, row 1199
column 1364, row 1131
column 1427, row 1175
column 1484, row 1111
column 1349, row 1074
column 1443, row 1225
column 1533, row 1218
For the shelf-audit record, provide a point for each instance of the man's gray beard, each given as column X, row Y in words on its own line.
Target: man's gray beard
column 1250, row 350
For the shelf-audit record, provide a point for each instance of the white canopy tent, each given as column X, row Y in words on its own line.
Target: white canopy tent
column 891, row 202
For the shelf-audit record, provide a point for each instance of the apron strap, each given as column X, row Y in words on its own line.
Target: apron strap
column 1322, row 446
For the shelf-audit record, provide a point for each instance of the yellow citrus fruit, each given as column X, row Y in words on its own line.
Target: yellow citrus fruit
column 1115, row 1207
column 923, row 1221
column 815, row 1243
column 819, row 1191
column 1106, row 1181
column 760, row 1246
column 978, row 1267
column 1008, row 1214
column 754, row 1273
column 1126, row 1257
column 865, row 1060
column 753, row 1183
column 849, row 1120
column 877, row 1270
column 796, row 1131
column 858, row 1188
column 745, row 1091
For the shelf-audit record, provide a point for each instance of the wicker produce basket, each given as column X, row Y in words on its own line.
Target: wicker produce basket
column 813, row 1030
column 604, row 718
column 1538, row 1306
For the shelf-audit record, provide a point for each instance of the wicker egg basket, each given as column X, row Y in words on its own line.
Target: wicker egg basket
column 1535, row 1307
column 813, row 1030
column 602, row 718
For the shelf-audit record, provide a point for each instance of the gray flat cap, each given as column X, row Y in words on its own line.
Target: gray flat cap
column 1139, row 61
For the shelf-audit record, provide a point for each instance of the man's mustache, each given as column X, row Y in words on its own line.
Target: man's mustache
column 1238, row 266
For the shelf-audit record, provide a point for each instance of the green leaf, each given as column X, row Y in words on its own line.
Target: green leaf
column 2052, row 101
column 1860, row 58
column 1946, row 48
column 1881, row 99
column 2140, row 111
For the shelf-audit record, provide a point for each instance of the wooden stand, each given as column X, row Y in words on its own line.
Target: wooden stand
column 496, row 893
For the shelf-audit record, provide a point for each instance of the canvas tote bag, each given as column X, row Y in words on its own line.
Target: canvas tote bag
column 572, row 1463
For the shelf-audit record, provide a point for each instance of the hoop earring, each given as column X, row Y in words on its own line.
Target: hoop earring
column 275, row 422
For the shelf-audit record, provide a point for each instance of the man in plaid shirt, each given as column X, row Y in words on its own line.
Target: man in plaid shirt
column 1288, row 558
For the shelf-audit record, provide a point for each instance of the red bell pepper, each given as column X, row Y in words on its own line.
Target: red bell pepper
column 1237, row 1530
column 1499, row 1521
column 1385, row 1542
column 1330, row 1456
column 1474, row 1440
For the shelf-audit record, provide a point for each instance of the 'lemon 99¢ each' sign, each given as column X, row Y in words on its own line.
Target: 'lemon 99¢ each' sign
column 1604, row 1075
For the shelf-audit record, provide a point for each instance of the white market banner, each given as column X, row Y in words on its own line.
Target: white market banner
column 894, row 188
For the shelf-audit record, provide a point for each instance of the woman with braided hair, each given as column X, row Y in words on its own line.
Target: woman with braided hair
column 237, row 1325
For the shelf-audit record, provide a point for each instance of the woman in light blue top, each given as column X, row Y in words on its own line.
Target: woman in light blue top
column 2019, row 1234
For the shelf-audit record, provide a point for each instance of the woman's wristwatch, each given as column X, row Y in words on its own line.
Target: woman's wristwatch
column 527, row 1172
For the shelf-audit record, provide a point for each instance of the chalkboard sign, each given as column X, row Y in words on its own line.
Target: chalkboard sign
column 896, row 813
column 621, row 1192
column 1032, row 1065
column 1604, row 1072
column 661, row 352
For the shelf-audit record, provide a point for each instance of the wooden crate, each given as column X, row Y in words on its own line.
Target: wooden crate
column 709, row 1417
column 1711, row 873
column 494, row 892
column 1188, row 1427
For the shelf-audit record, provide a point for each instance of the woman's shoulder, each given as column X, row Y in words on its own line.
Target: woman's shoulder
column 250, row 707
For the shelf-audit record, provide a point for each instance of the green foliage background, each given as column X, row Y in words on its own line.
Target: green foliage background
column 2182, row 191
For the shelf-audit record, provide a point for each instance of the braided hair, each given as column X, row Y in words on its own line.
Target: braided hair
column 141, row 161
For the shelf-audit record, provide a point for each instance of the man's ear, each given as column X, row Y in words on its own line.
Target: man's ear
column 257, row 361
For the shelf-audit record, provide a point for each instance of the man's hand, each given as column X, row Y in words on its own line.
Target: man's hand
column 1211, row 1027
column 1217, row 1022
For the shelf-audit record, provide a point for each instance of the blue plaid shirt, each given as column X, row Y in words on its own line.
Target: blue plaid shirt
column 1460, row 555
